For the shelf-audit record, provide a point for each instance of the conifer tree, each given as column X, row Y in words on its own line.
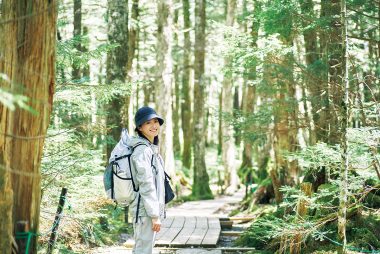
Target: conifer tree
column 201, row 188
column 27, row 67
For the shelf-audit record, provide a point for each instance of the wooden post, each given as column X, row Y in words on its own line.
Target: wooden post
column 57, row 219
column 22, row 237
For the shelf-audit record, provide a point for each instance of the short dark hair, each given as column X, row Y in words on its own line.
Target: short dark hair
column 155, row 140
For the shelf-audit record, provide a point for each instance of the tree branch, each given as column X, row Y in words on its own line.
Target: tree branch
column 363, row 39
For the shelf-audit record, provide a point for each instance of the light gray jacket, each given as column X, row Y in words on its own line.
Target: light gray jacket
column 149, row 179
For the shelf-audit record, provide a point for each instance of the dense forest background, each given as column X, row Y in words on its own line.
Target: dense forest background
column 280, row 97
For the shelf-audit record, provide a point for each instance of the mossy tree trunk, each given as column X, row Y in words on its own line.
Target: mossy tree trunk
column 176, row 91
column 344, row 113
column 186, row 115
column 28, row 61
column 236, row 108
column 132, row 48
column 164, row 80
column 250, row 100
column 335, row 71
column 201, row 188
column 312, row 79
column 117, row 59
column 76, row 73
column 228, row 143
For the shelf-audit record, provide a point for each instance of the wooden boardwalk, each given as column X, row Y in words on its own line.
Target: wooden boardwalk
column 181, row 231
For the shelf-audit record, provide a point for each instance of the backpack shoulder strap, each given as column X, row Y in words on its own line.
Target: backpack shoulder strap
column 137, row 145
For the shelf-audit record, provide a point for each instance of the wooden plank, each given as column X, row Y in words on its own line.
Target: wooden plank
column 201, row 222
column 196, row 237
column 231, row 233
column 211, row 237
column 183, row 237
column 167, row 222
column 213, row 222
column 168, row 237
column 226, row 224
column 249, row 218
column 178, row 222
column 161, row 233
column 190, row 222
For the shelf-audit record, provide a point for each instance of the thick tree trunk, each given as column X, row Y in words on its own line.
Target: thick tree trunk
column 186, row 99
column 344, row 112
column 164, row 81
column 220, row 131
column 132, row 36
column 249, row 101
column 334, row 49
column 176, row 91
column 201, row 188
column 116, row 64
column 236, row 108
column 248, row 109
column 228, row 144
column 77, row 33
column 132, row 45
column 312, row 79
column 28, row 61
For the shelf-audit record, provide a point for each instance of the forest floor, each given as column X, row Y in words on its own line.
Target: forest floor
column 220, row 206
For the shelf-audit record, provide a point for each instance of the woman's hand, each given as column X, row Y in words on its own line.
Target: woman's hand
column 156, row 224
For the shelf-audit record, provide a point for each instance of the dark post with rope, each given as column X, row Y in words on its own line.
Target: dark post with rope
column 23, row 237
column 57, row 219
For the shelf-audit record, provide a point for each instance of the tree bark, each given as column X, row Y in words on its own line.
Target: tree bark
column 334, row 50
column 28, row 61
column 186, row 98
column 312, row 79
column 249, row 101
column 164, row 81
column 201, row 188
column 228, row 144
column 344, row 112
column 132, row 45
column 115, row 70
column 236, row 108
column 176, row 91
column 77, row 33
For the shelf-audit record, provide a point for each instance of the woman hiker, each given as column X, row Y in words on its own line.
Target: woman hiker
column 148, row 208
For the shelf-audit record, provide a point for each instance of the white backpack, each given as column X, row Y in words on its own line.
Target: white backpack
column 118, row 178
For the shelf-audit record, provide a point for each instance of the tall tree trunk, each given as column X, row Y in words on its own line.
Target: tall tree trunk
column 344, row 112
column 164, row 81
column 334, row 49
column 132, row 42
column 236, row 108
column 115, row 70
column 228, row 147
column 220, row 129
column 249, row 101
column 201, row 188
column 176, row 90
column 312, row 79
column 77, row 33
column 28, row 61
column 186, row 99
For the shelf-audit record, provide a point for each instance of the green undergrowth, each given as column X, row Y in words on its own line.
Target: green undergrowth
column 363, row 231
column 101, row 228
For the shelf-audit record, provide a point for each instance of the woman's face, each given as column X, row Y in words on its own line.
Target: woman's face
column 150, row 129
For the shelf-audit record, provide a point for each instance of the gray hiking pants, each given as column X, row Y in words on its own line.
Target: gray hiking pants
column 144, row 235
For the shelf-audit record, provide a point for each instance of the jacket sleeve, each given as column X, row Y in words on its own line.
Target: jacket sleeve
column 141, row 160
